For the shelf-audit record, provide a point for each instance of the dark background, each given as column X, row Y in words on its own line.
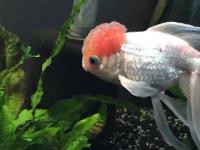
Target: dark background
column 38, row 21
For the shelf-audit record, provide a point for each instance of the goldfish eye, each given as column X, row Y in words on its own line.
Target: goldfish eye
column 94, row 60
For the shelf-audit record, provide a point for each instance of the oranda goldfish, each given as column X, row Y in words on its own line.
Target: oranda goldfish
column 149, row 62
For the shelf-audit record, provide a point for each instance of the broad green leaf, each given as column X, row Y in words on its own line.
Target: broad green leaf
column 19, row 144
column 15, row 91
column 113, row 101
column 176, row 91
column 42, row 138
column 6, row 128
column 70, row 110
column 41, row 135
column 10, row 48
column 78, row 137
column 25, row 115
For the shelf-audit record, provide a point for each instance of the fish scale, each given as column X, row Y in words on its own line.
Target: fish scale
column 149, row 64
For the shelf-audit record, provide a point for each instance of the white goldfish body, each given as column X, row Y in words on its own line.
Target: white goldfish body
column 148, row 63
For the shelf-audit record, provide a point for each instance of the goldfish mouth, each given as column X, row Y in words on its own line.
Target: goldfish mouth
column 84, row 66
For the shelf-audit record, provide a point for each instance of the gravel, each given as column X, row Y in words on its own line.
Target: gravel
column 136, row 130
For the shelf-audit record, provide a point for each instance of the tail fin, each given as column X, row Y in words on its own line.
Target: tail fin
column 195, row 102
column 163, row 127
column 190, row 84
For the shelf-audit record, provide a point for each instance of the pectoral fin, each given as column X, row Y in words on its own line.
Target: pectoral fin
column 140, row 89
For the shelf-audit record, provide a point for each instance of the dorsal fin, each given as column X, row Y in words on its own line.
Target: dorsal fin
column 189, row 33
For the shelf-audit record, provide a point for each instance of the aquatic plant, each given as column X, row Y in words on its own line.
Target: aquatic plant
column 158, row 12
column 60, row 126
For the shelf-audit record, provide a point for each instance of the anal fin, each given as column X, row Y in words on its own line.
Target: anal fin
column 177, row 107
column 163, row 127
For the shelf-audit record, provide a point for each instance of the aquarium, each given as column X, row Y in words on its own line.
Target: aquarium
column 53, row 98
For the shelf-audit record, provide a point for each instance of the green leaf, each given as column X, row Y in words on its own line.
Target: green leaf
column 15, row 91
column 78, row 137
column 11, row 50
column 27, row 51
column 25, row 115
column 46, row 63
column 75, row 11
column 69, row 110
column 7, row 128
column 176, row 91
column 60, row 41
column 158, row 12
column 41, row 135
column 37, row 96
column 110, row 100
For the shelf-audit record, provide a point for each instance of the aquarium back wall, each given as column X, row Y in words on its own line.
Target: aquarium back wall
column 37, row 23
column 26, row 17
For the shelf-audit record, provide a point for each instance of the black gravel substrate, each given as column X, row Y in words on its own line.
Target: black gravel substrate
column 136, row 130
